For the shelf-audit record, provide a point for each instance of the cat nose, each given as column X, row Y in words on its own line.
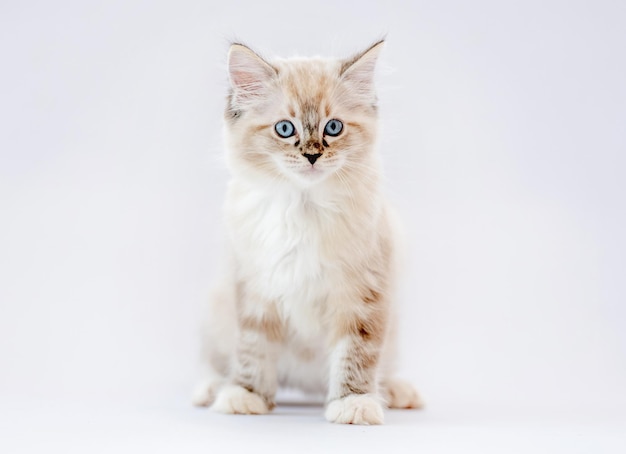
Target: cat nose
column 312, row 157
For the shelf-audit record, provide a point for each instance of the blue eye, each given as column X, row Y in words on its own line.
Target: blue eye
column 285, row 128
column 333, row 128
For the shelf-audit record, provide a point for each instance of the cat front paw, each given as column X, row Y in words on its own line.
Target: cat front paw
column 402, row 394
column 361, row 409
column 204, row 393
column 237, row 400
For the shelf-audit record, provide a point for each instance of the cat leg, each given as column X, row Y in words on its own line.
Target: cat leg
column 353, row 395
column 219, row 340
column 254, row 383
column 254, row 380
column 396, row 392
column 207, row 387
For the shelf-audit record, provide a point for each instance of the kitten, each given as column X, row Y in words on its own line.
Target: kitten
column 306, row 302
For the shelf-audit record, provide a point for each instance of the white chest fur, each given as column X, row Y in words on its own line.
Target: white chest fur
column 278, row 240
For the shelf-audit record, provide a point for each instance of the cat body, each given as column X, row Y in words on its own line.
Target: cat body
column 306, row 300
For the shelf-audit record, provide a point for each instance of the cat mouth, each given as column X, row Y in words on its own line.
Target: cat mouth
column 312, row 171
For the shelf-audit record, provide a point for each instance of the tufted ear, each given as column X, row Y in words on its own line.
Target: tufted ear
column 249, row 74
column 359, row 69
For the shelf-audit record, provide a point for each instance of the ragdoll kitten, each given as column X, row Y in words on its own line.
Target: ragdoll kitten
column 306, row 302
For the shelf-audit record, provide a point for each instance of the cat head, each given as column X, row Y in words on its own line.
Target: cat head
column 300, row 120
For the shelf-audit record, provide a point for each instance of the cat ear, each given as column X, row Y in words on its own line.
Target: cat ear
column 249, row 74
column 359, row 69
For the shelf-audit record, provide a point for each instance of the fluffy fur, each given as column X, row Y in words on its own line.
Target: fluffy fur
column 306, row 301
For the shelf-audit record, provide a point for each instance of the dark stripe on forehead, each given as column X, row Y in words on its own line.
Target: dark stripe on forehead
column 310, row 116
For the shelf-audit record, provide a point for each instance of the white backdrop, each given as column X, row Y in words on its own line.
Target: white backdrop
column 503, row 133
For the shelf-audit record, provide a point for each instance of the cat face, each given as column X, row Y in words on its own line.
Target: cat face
column 301, row 120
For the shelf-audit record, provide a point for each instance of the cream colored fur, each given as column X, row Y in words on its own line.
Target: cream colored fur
column 306, row 297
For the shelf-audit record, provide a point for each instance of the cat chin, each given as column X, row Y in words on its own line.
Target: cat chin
column 311, row 176
column 307, row 176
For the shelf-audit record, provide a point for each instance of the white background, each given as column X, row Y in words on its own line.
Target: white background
column 504, row 142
